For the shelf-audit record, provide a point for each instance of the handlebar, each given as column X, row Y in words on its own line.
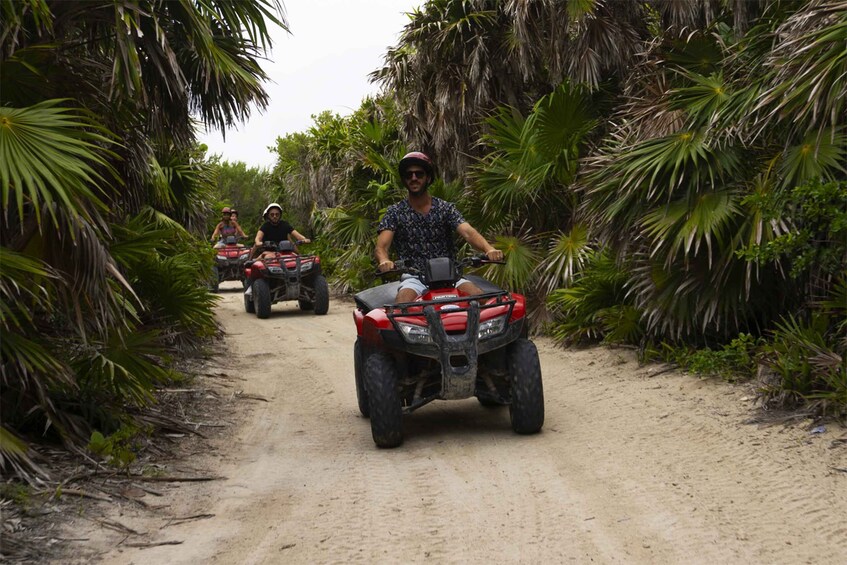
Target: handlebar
column 400, row 266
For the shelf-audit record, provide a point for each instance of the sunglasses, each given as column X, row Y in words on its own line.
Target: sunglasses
column 274, row 214
column 414, row 174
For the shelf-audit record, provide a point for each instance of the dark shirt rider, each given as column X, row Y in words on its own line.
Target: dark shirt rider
column 276, row 229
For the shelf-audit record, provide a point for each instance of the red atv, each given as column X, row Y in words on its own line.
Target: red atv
column 229, row 262
column 281, row 273
column 444, row 346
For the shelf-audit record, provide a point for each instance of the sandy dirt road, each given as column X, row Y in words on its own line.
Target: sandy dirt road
column 631, row 467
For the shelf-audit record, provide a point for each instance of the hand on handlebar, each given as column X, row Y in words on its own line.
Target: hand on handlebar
column 494, row 255
column 385, row 266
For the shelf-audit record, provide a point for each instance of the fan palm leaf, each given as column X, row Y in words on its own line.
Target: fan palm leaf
column 567, row 253
column 52, row 154
column 820, row 155
column 810, row 69
column 521, row 261
column 680, row 228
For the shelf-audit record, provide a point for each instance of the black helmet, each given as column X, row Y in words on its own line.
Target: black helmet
column 417, row 158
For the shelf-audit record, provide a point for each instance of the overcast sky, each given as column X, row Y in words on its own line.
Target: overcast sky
column 323, row 64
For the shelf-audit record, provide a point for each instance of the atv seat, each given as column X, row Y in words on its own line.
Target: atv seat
column 483, row 284
column 377, row 297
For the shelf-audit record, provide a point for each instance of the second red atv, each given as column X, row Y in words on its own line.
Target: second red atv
column 444, row 346
column 281, row 273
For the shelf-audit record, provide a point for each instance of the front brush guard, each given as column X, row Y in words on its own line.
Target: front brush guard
column 456, row 381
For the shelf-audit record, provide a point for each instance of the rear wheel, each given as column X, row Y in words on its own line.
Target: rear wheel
column 527, row 407
column 383, row 400
column 321, row 295
column 262, row 298
column 358, row 369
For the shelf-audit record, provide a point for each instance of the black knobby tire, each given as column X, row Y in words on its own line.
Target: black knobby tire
column 262, row 298
column 249, row 305
column 305, row 305
column 321, row 295
column 384, row 400
column 214, row 282
column 527, row 407
column 358, row 369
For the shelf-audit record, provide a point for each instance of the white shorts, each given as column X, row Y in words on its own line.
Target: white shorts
column 414, row 283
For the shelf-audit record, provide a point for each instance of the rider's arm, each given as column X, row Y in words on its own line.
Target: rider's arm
column 298, row 237
column 260, row 235
column 479, row 243
column 238, row 230
column 383, row 243
column 216, row 232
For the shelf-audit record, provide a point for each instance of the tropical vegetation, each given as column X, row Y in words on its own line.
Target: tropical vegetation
column 104, row 194
column 667, row 176
column 670, row 176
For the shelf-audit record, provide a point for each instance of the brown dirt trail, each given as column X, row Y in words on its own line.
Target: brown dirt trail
column 631, row 467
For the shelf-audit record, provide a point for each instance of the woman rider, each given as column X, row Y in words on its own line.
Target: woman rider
column 226, row 227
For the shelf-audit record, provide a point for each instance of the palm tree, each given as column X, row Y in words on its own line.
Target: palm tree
column 96, row 127
column 685, row 201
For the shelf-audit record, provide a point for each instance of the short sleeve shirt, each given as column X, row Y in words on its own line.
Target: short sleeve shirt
column 418, row 237
column 276, row 232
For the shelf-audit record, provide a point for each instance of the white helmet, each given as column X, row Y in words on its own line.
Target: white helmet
column 268, row 209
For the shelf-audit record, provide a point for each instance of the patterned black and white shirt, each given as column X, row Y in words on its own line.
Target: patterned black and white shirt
column 418, row 237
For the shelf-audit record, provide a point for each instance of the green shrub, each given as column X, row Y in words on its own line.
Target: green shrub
column 596, row 306
column 808, row 361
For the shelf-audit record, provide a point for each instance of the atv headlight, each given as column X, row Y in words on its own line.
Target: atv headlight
column 305, row 267
column 275, row 270
column 492, row 327
column 413, row 333
column 221, row 258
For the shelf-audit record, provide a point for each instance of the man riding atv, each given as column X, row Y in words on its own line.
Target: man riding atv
column 421, row 227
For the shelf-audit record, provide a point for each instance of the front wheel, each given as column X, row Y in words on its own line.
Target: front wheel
column 249, row 305
column 214, row 282
column 527, row 407
column 384, row 400
column 262, row 298
column 321, row 295
column 358, row 370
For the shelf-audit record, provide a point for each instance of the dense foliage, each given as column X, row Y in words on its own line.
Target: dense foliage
column 104, row 195
column 667, row 175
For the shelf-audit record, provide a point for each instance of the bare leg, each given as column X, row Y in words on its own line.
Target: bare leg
column 406, row 295
column 469, row 288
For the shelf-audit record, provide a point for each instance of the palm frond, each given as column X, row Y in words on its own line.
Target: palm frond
column 52, row 154
column 811, row 68
column 819, row 156
column 565, row 258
